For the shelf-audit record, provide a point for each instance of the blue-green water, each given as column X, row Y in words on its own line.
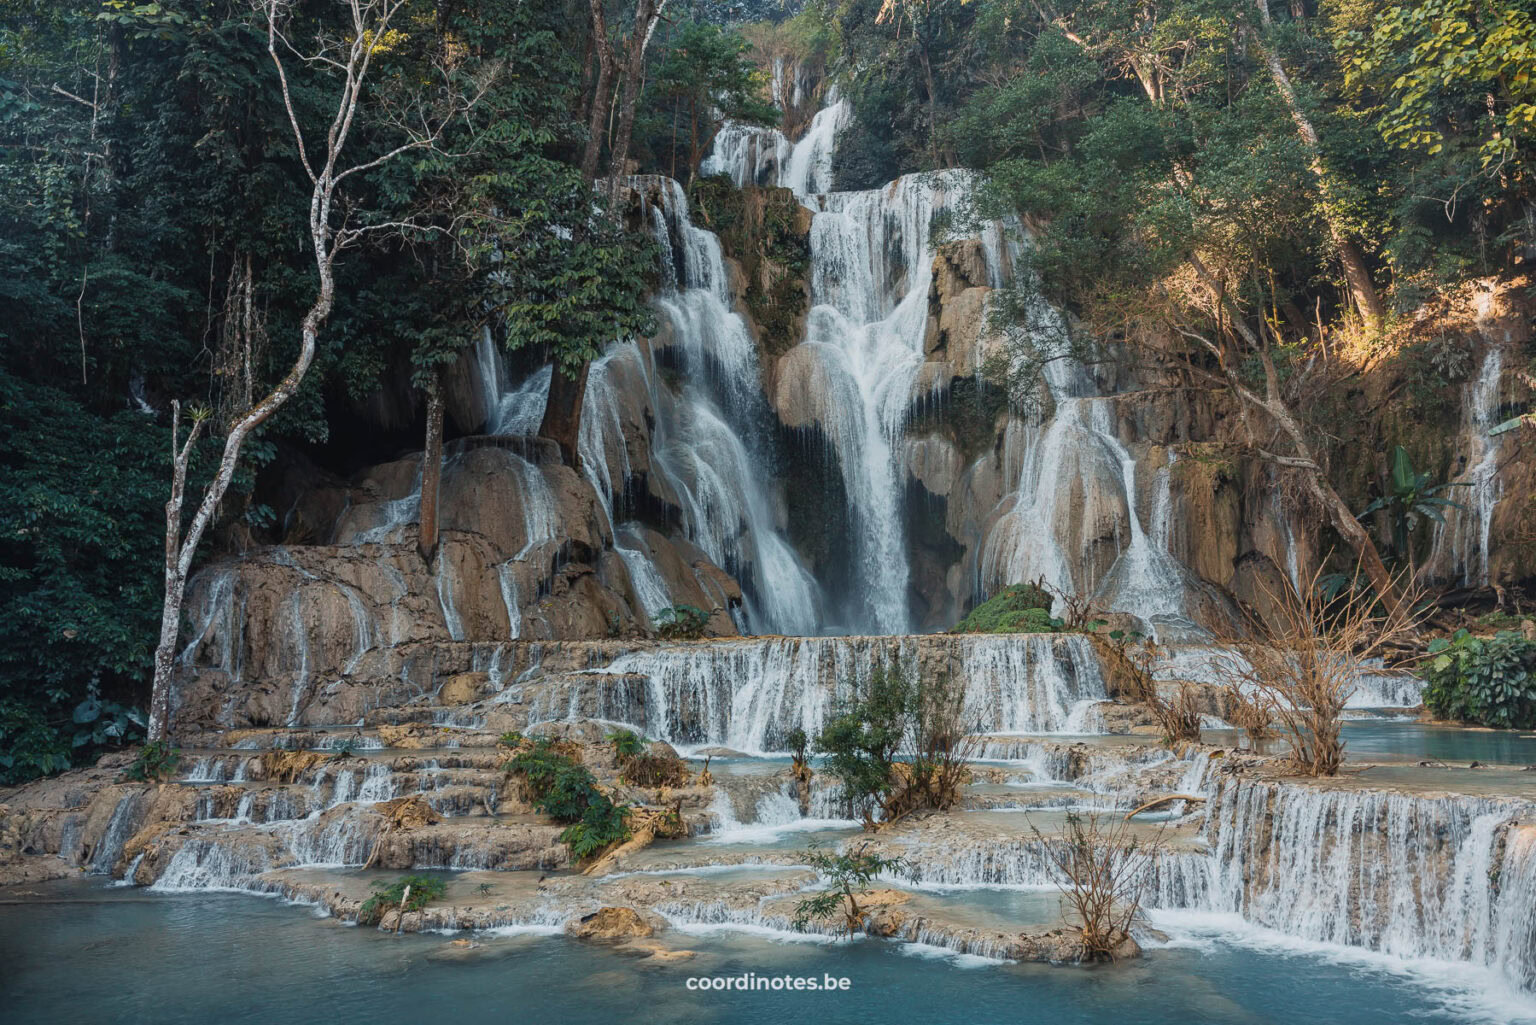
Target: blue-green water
column 1395, row 740
column 125, row 956
column 1365, row 739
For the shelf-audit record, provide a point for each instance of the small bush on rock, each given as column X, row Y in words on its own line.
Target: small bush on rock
column 155, row 763
column 645, row 766
column 848, row 875
column 681, row 623
column 387, row 897
column 1490, row 681
column 893, row 714
column 567, row 792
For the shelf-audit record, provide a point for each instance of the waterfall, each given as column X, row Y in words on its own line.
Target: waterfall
column 1444, row 877
column 512, row 411
column 707, row 440
column 1075, row 474
column 748, row 694
column 763, row 156
column 120, row 828
column 1461, row 543
column 871, row 265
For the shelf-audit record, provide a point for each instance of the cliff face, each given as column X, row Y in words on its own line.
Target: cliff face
column 815, row 441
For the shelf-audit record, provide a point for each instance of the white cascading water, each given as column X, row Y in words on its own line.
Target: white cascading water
column 747, row 695
column 1074, row 469
column 1404, row 875
column 1462, row 542
column 871, row 260
column 702, row 442
column 871, row 266
column 763, row 156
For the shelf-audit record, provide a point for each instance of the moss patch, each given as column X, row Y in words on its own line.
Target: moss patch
column 766, row 230
column 1020, row 609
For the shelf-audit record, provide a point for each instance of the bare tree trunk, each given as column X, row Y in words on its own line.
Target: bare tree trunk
column 1273, row 405
column 562, row 414
column 1356, row 274
column 933, row 100
column 431, row 472
column 175, row 580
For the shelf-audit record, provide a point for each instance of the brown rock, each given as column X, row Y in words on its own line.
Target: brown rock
column 408, row 812
column 610, row 924
column 463, row 688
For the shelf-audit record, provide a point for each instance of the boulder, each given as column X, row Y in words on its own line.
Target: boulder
column 610, row 925
column 463, row 688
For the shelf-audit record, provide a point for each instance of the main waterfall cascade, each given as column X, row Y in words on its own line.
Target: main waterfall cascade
column 862, row 363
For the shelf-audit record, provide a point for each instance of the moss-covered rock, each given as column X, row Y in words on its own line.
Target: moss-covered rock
column 1022, row 608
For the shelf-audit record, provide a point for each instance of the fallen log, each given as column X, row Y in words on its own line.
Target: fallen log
column 1163, row 800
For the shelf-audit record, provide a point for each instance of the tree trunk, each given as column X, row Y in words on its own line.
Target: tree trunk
column 647, row 14
column 1356, row 274
column 1280, row 415
column 600, row 101
column 562, row 414
column 324, row 177
column 933, row 102
column 431, row 473
column 175, row 580
column 179, row 551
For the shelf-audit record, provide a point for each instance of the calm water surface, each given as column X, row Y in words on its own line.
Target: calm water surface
column 95, row 954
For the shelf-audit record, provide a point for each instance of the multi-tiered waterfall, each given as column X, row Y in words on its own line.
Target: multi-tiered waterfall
column 861, row 368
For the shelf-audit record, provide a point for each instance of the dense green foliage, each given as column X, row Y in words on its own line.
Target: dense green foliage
column 896, row 742
column 704, row 77
column 1022, row 608
column 1138, row 132
column 681, row 623
column 626, row 743
column 567, row 792
column 1490, row 681
column 1409, row 500
column 153, row 227
column 387, row 897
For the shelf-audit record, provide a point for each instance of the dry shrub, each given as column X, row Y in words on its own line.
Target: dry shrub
column 1102, row 868
column 1310, row 652
column 1179, row 719
column 1253, row 713
column 1135, row 660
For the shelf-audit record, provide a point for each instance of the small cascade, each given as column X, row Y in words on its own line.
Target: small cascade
column 220, row 620
column 120, row 828
column 1375, row 686
column 215, row 863
column 763, row 156
column 649, row 587
column 1461, row 545
column 515, row 411
column 541, row 527
column 747, row 695
column 1076, row 474
column 1447, row 878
